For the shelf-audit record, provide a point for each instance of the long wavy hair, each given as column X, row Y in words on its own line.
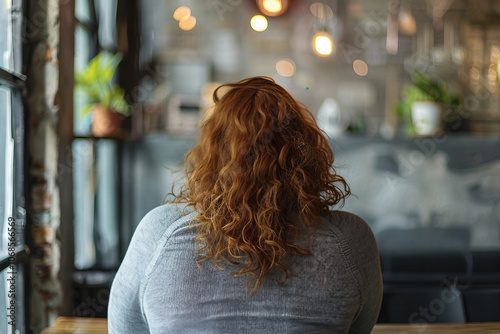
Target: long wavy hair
column 260, row 176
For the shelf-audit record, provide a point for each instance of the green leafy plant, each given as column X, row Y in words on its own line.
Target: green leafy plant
column 95, row 84
column 423, row 89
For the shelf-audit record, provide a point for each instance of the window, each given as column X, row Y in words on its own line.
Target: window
column 95, row 179
column 6, row 167
column 94, row 30
column 10, row 41
column 95, row 170
column 12, row 207
column 95, row 160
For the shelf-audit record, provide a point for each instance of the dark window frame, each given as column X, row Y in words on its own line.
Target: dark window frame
column 16, row 84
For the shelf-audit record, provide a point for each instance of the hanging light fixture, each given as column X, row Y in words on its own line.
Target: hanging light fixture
column 272, row 7
column 319, row 10
column 322, row 44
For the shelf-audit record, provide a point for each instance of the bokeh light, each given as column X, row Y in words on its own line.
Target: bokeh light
column 187, row 23
column 182, row 12
column 360, row 67
column 319, row 10
column 407, row 23
column 285, row 67
column 258, row 23
column 272, row 6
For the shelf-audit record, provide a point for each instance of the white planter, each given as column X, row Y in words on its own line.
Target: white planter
column 427, row 118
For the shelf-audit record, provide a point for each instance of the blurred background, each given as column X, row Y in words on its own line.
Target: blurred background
column 109, row 93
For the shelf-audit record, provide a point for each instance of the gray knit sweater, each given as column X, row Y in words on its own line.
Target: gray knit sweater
column 160, row 289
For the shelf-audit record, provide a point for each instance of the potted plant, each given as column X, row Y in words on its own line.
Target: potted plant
column 422, row 107
column 105, row 100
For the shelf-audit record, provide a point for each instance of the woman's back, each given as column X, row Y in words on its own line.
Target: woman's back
column 160, row 289
column 259, row 188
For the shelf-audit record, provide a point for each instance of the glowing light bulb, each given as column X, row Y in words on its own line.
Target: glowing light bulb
column 272, row 6
column 407, row 23
column 258, row 23
column 323, row 44
column 181, row 12
column 187, row 23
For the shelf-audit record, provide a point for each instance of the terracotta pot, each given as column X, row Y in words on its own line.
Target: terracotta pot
column 427, row 118
column 105, row 122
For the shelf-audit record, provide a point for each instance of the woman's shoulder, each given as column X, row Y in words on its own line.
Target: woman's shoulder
column 167, row 212
column 360, row 251
column 345, row 216
column 125, row 306
column 159, row 221
column 347, row 223
column 351, row 230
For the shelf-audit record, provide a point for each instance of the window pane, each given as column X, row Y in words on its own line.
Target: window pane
column 83, row 197
column 6, row 175
column 81, row 123
column 10, row 37
column 18, row 195
column 82, row 12
column 106, row 15
column 17, row 34
column 3, row 300
column 6, row 58
column 95, row 182
column 11, row 288
column 107, row 204
column 82, row 47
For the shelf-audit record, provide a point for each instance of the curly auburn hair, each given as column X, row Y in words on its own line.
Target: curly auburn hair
column 260, row 176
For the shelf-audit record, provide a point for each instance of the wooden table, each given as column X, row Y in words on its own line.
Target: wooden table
column 78, row 326
column 100, row 326
column 472, row 328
